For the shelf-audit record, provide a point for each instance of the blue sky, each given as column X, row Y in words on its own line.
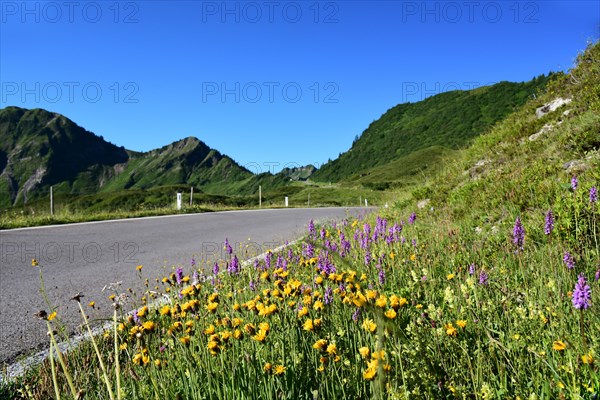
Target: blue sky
column 270, row 83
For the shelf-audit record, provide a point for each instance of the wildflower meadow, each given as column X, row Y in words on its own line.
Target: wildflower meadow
column 371, row 307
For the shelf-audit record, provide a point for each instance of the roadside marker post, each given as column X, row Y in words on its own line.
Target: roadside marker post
column 286, row 201
column 51, row 201
column 179, row 200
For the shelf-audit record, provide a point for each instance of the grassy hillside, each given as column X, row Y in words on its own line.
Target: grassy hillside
column 450, row 120
column 39, row 149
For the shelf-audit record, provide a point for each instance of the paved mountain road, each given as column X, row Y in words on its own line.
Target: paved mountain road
column 85, row 257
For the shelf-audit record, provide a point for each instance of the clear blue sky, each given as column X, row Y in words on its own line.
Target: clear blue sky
column 270, row 83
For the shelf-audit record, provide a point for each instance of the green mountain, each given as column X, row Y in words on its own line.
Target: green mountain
column 411, row 135
column 39, row 149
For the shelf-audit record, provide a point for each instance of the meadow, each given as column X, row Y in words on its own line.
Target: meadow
column 383, row 307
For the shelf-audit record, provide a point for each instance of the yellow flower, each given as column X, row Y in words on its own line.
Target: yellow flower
column 148, row 325
column 559, row 345
column 318, row 305
column 302, row 312
column 142, row 311
column 308, row 325
column 332, row 349
column 371, row 295
column 450, row 329
column 391, row 314
column 320, row 344
column 92, row 304
column 237, row 334
column 267, row 367
column 461, row 323
column 210, row 330
column 381, row 301
column 368, row 325
column 185, row 340
column 123, row 346
column 112, row 297
column 279, row 370
column 587, row 359
column 157, row 363
column 165, row 310
column 364, row 352
column 450, row 277
column 319, row 280
column 212, row 306
column 370, row 373
column 250, row 329
column 264, row 326
column 137, row 359
column 34, row 262
column 392, row 255
column 260, row 336
column 139, row 267
column 359, row 299
column 413, row 257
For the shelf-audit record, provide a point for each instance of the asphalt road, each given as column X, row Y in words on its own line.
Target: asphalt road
column 86, row 257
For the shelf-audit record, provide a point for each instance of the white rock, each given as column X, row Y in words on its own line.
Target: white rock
column 552, row 106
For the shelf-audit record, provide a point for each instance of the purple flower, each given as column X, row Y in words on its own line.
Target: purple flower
column 323, row 233
column 311, row 229
column 568, row 260
column 414, row 242
column 268, row 259
column 593, row 194
column 328, row 296
column 228, row 248
column 518, row 234
column 309, row 251
column 356, row 315
column 381, row 276
column 582, row 294
column 549, row 225
column 597, row 276
column 136, row 318
column 216, row 269
column 472, row 269
column 252, row 285
column 368, row 258
column 193, row 262
column 234, row 266
column 483, row 278
column 412, row 218
column 574, row 182
column 179, row 275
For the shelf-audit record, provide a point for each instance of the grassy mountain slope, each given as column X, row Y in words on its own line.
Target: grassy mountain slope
column 449, row 119
column 39, row 149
